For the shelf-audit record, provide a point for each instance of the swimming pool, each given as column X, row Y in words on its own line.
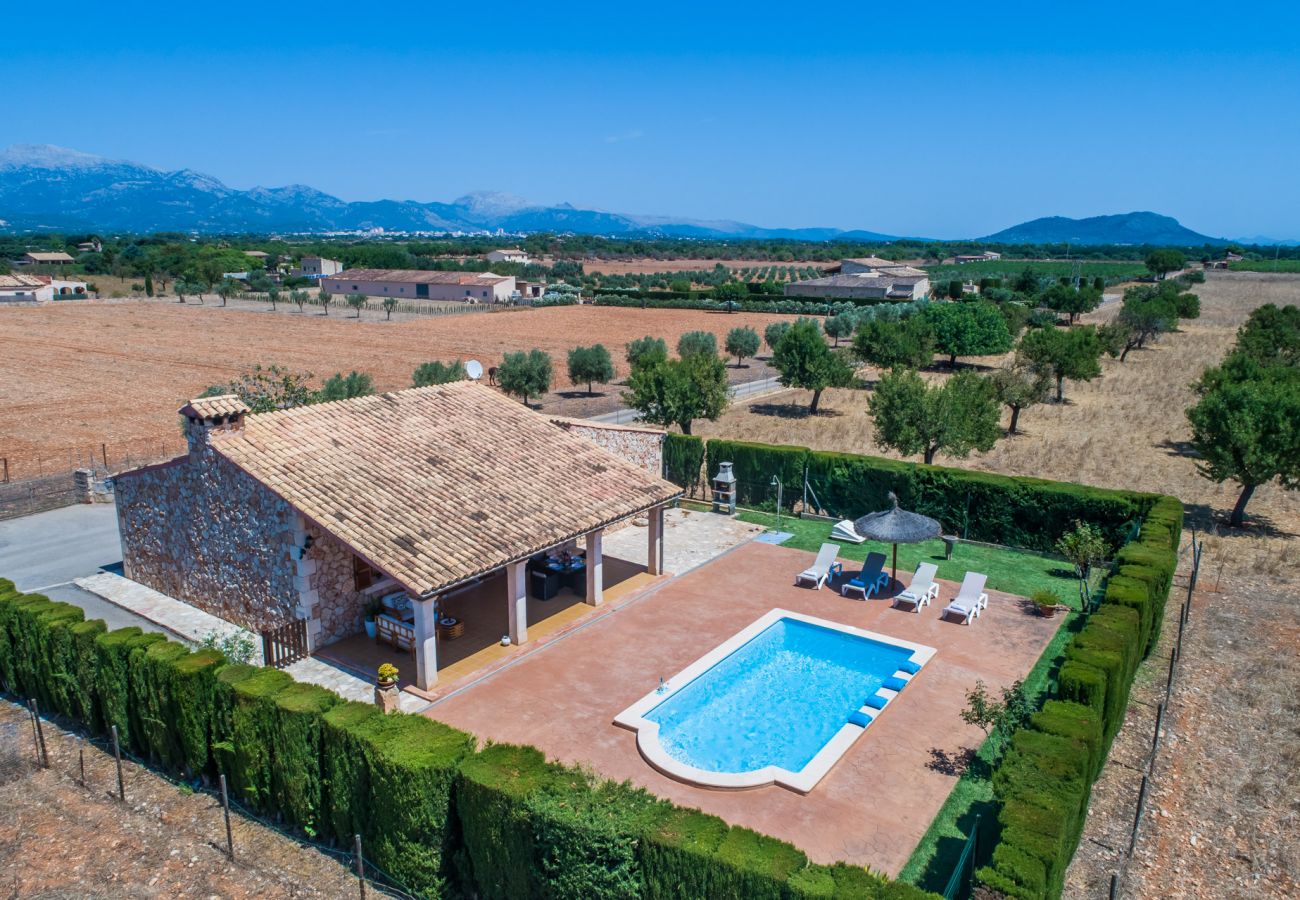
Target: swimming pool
column 778, row 703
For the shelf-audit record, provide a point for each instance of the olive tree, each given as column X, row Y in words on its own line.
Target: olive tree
column 525, row 375
column 955, row 417
column 741, row 342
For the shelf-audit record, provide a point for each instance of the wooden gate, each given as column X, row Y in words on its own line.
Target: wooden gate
column 285, row 643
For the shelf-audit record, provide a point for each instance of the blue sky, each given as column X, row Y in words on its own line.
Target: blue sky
column 937, row 119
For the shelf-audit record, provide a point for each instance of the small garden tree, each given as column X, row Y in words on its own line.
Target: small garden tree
column 1073, row 354
column 1007, row 714
column 804, row 361
column 888, row 344
column 1271, row 336
column 344, row 387
column 525, row 375
column 299, row 299
column 694, row 343
column 647, row 352
column 741, row 343
column 266, row 389
column 227, row 288
column 1019, row 387
column 1162, row 262
column 590, row 364
column 732, row 293
column 1084, row 547
column 956, row 417
column 325, row 299
column 357, row 302
column 773, row 333
column 1065, row 298
column 678, row 391
column 437, row 373
column 840, row 325
column 389, row 304
column 967, row 329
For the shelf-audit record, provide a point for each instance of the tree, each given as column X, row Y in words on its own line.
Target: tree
column 590, row 364
column 1144, row 315
column 731, row 293
column 1271, row 336
column 680, row 285
column 891, row 344
column 1008, row 714
column 773, row 333
column 1162, row 262
column 266, row 389
column 148, row 284
column 1064, row 298
column 344, row 387
column 228, row 288
column 1073, row 353
column 967, row 329
column 1246, row 427
column 525, row 375
column 678, row 391
column 389, row 304
column 1084, row 547
column 804, row 361
column 299, row 299
column 182, row 288
column 840, row 325
column 1099, row 284
column 697, row 342
column 1026, row 282
column 325, row 298
column 741, row 343
column 357, row 302
column 437, row 373
column 956, row 417
column 1019, row 387
column 646, row 352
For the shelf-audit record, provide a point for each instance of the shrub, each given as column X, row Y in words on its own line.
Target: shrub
column 113, row 664
column 295, row 741
column 491, row 791
column 251, row 709
column 193, row 706
column 149, row 672
column 683, row 460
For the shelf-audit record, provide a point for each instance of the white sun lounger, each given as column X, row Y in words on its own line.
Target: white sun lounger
column 921, row 590
column 821, row 570
column 970, row 600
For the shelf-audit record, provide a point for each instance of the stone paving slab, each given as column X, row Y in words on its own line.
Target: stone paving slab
column 691, row 538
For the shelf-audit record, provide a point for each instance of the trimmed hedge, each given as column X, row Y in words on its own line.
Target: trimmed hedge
column 755, row 464
column 683, row 460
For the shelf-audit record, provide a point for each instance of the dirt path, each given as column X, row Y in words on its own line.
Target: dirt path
column 59, row 839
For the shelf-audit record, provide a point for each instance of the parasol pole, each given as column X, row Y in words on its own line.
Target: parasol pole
column 894, row 574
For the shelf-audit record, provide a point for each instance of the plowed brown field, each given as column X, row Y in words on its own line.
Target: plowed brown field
column 73, row 377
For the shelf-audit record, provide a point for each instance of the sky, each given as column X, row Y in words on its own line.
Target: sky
column 938, row 119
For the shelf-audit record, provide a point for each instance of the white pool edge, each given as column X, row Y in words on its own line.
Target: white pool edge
column 803, row 781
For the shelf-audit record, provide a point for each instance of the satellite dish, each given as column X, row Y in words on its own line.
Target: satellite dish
column 474, row 369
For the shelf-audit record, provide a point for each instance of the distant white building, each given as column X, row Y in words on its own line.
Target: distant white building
column 317, row 267
column 22, row 288
column 46, row 259
column 513, row 255
column 416, row 284
column 986, row 256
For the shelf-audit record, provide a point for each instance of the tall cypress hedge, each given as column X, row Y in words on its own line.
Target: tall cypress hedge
column 755, row 465
column 193, row 688
column 684, row 460
column 296, row 750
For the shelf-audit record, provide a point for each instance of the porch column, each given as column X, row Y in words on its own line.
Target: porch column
column 517, row 601
column 426, row 643
column 595, row 567
column 656, row 548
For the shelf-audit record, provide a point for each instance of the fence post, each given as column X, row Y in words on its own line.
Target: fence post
column 225, row 808
column 42, row 756
column 1137, row 818
column 361, row 865
column 1114, row 886
column 81, row 759
column 1155, row 741
column 117, row 753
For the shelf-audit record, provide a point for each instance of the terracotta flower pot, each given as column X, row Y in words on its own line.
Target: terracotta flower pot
column 1047, row 611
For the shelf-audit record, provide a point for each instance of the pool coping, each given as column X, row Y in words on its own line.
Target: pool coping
column 803, row 781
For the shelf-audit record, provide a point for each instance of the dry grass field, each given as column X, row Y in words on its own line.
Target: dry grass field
column 75, row 376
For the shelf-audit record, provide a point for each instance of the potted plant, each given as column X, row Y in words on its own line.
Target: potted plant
column 373, row 608
column 1046, row 602
column 387, row 675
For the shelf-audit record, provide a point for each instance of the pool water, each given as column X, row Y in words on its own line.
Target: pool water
column 776, row 700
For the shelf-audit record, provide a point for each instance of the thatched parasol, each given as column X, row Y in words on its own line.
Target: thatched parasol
column 897, row 526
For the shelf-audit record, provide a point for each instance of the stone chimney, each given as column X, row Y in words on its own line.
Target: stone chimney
column 208, row 415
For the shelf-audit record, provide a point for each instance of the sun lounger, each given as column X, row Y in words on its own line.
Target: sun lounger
column 870, row 580
column 970, row 600
column 821, row 570
column 844, row 531
column 921, row 590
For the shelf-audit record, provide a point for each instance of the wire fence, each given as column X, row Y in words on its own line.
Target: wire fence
column 1117, row 878
column 101, row 458
column 369, row 874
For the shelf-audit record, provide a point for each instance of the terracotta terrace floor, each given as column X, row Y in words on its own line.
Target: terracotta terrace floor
column 873, row 806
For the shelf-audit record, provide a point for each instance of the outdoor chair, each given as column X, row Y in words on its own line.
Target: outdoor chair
column 823, row 569
column 970, row 600
column 870, row 580
column 921, row 589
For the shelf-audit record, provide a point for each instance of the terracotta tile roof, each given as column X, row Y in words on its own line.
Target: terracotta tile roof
column 418, row 276
column 214, row 407
column 567, row 422
column 58, row 256
column 18, row 280
column 437, row 485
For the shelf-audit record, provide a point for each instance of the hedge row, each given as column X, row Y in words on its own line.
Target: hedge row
column 1044, row 782
column 434, row 813
column 1020, row 512
column 788, row 305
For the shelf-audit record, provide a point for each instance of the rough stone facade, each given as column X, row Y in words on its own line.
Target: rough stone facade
column 641, row 446
column 204, row 531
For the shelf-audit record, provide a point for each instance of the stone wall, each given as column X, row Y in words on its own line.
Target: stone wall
column 641, row 446
column 332, row 603
column 202, row 530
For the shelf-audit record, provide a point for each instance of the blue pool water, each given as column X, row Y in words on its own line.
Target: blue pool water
column 776, row 700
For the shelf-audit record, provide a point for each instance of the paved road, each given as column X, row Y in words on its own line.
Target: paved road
column 742, row 391
column 46, row 551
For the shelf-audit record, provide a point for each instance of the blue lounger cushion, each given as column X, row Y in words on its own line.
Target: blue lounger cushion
column 859, row 719
column 875, row 701
column 893, row 683
column 909, row 667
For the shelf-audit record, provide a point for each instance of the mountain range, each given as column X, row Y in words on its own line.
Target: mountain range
column 44, row 188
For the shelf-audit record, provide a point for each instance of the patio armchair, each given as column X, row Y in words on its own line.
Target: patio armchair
column 921, row 590
column 971, row 599
column 870, row 580
column 823, row 569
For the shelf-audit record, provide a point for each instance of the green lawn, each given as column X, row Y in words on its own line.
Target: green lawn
column 1013, row 571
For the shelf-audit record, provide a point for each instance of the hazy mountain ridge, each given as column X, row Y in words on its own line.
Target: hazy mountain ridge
column 43, row 187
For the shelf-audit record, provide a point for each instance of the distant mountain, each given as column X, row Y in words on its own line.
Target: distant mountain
column 1125, row 228
column 43, row 187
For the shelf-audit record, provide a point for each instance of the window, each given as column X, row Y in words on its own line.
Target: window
column 354, row 287
column 363, row 574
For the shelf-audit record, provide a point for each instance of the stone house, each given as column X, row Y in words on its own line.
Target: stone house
column 302, row 514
